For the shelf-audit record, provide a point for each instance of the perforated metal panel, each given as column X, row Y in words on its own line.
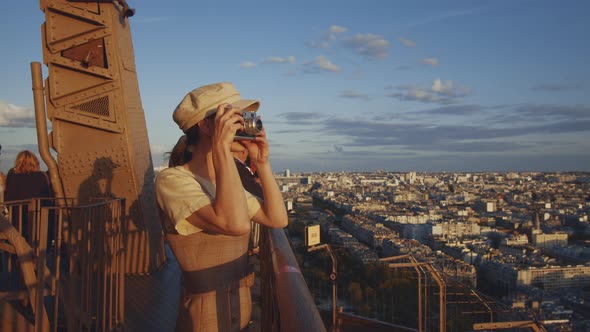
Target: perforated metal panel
column 98, row 107
column 98, row 123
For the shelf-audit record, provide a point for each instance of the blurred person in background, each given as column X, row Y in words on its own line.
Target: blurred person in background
column 2, row 187
column 23, row 182
column 26, row 180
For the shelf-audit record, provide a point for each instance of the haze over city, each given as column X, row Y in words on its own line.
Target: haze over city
column 352, row 85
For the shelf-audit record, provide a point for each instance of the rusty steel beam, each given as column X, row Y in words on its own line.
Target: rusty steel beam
column 98, row 124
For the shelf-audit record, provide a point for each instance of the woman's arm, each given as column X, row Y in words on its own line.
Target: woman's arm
column 228, row 214
column 273, row 212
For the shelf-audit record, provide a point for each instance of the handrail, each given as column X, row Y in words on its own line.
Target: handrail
column 296, row 308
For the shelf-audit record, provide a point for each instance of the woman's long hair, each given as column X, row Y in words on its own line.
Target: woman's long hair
column 26, row 162
column 182, row 151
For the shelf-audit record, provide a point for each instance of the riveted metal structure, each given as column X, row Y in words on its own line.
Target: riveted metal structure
column 98, row 125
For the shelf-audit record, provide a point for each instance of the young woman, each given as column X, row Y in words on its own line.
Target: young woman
column 206, row 212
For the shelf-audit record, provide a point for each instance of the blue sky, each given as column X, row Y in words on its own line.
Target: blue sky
column 354, row 85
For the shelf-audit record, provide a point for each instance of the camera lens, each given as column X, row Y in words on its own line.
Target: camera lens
column 252, row 123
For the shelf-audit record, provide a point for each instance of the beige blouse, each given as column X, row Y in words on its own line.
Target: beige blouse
column 180, row 193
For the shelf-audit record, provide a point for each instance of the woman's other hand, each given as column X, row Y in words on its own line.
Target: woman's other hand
column 228, row 120
column 258, row 149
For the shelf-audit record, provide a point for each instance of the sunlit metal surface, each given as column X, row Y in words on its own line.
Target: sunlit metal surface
column 98, row 125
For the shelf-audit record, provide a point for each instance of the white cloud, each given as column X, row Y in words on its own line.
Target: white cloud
column 419, row 94
column 448, row 89
column 158, row 154
column 370, row 45
column 16, row 116
column 247, row 64
column 318, row 44
column 159, row 149
column 430, row 61
column 442, row 92
column 331, row 34
column 337, row 29
column 441, row 87
column 407, row 42
column 353, row 95
column 275, row 59
column 326, row 64
column 327, row 37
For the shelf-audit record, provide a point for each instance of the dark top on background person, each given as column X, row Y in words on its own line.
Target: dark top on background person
column 246, row 169
column 2, row 185
column 248, row 178
column 25, row 180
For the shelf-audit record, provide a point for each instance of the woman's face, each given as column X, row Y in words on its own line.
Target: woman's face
column 236, row 146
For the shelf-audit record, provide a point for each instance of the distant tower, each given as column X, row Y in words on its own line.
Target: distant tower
column 536, row 220
column 287, row 173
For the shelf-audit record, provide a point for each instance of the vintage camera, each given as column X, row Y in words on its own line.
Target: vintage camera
column 252, row 126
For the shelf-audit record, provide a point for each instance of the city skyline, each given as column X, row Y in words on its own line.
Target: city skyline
column 525, row 247
column 347, row 86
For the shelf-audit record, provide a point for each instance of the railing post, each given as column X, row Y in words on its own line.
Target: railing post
column 39, row 222
column 333, row 278
column 441, row 283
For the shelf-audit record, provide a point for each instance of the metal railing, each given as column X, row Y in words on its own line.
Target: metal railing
column 287, row 304
column 79, row 249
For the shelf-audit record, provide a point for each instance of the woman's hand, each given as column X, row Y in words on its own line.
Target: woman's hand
column 227, row 121
column 257, row 148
